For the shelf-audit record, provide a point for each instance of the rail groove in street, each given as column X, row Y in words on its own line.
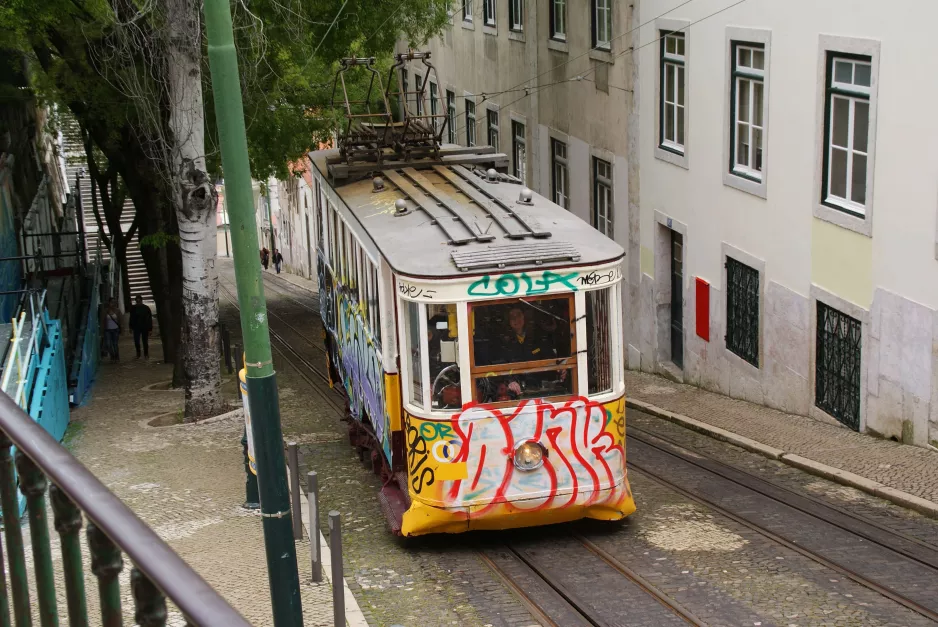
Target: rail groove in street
column 899, row 567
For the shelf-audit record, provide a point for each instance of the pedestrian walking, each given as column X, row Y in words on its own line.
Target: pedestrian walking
column 278, row 260
column 265, row 257
column 141, row 323
column 112, row 329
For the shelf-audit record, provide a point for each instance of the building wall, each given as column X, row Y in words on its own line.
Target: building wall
column 881, row 271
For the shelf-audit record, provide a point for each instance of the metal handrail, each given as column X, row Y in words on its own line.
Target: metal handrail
column 200, row 603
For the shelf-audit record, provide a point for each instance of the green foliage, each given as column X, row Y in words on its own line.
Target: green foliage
column 77, row 57
column 158, row 240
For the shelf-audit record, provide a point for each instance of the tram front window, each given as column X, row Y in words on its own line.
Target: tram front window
column 442, row 343
column 523, row 348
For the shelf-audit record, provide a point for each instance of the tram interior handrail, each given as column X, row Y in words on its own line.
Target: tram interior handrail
column 198, row 601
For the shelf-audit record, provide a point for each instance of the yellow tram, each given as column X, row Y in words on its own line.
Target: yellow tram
column 475, row 327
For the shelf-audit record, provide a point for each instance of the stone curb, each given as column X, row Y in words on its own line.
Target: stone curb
column 843, row 477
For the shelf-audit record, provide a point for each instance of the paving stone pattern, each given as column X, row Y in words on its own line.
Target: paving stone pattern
column 907, row 468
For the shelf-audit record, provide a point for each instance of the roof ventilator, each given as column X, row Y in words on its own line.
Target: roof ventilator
column 400, row 207
column 526, row 197
column 378, row 183
column 491, row 175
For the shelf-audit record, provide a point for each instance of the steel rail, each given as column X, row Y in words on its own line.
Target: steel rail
column 197, row 600
column 283, row 283
column 727, row 471
column 805, row 552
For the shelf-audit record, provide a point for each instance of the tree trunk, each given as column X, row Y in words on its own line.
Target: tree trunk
column 195, row 200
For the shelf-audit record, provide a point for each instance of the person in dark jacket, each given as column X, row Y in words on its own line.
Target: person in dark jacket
column 265, row 257
column 278, row 260
column 141, row 323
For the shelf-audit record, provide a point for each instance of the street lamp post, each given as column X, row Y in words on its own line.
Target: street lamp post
column 261, row 379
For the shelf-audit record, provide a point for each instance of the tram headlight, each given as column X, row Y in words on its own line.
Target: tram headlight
column 529, row 455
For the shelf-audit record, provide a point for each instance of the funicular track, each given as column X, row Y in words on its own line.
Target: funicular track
column 893, row 564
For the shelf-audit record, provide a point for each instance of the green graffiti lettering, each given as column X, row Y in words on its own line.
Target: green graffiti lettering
column 521, row 284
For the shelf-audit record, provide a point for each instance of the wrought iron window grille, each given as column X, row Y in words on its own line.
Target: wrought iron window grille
column 837, row 380
column 742, row 310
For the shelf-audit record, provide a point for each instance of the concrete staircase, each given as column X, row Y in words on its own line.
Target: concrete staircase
column 75, row 160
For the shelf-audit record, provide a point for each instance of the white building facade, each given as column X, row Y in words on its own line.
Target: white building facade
column 786, row 192
column 762, row 164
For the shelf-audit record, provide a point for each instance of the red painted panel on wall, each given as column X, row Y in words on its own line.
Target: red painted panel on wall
column 703, row 309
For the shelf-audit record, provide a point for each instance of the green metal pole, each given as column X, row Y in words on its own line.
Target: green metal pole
column 261, row 378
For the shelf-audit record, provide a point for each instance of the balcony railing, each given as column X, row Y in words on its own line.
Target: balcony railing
column 113, row 530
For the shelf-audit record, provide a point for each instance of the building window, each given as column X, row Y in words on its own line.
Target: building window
column 403, row 102
column 435, row 105
column 467, row 11
column 418, row 95
column 470, row 122
column 847, row 132
column 488, row 12
column 602, row 24
column 602, row 197
column 747, row 101
column 559, row 178
column 672, row 92
column 516, row 15
column 742, row 310
column 491, row 116
column 519, row 151
column 837, row 367
column 451, row 115
column 558, row 19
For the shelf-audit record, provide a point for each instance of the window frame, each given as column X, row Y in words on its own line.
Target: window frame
column 679, row 62
column 558, row 34
column 562, row 161
column 662, row 26
column 603, row 183
column 519, row 170
column 489, row 15
column 526, row 367
column 451, row 116
column 434, row 104
column 747, row 37
column 492, row 127
column 753, row 76
column 853, row 94
column 471, row 120
column 830, row 46
column 418, row 100
column 595, row 23
column 516, row 16
column 467, row 11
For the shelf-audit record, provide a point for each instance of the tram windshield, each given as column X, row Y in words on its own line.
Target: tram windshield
column 523, row 348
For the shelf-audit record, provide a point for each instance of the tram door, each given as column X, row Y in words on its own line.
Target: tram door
column 677, row 299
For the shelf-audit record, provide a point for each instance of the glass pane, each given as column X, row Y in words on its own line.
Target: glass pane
column 680, row 45
column 858, row 184
column 598, row 333
column 669, row 45
column 412, row 331
column 861, row 125
column 862, row 74
column 680, row 125
column 843, row 72
column 840, row 119
column 742, row 144
column 757, row 87
column 838, row 174
column 745, row 57
column 757, row 147
column 742, row 109
column 514, row 331
column 680, row 85
column 443, row 353
column 758, row 59
column 669, row 71
column 669, row 123
column 517, row 386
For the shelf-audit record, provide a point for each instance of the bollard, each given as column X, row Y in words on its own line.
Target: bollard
column 315, row 549
column 293, row 458
column 338, row 582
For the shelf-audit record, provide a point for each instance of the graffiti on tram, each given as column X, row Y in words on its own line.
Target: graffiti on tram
column 465, row 460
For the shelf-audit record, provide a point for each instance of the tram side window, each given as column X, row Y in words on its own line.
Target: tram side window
column 523, row 348
column 320, row 230
column 412, row 341
column 374, row 305
column 598, row 334
column 443, row 354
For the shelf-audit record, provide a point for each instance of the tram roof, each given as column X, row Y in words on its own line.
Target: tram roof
column 458, row 222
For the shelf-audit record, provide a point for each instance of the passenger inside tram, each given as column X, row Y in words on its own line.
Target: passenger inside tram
column 522, row 349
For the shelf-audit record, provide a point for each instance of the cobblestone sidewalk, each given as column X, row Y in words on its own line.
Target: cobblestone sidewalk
column 882, row 467
column 186, row 482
